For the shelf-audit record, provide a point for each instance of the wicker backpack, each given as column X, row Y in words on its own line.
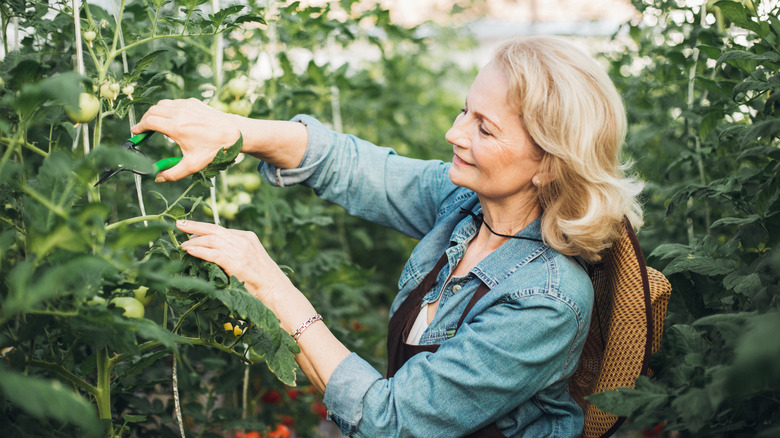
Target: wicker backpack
column 626, row 327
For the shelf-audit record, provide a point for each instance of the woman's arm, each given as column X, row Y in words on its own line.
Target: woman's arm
column 241, row 254
column 201, row 131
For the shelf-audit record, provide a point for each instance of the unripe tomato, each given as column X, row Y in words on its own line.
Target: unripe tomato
column 143, row 295
column 88, row 108
column 90, row 36
column 242, row 198
column 96, row 300
column 219, row 105
column 133, row 308
column 128, row 90
column 241, row 107
column 105, row 91
column 238, row 87
column 227, row 210
column 114, row 87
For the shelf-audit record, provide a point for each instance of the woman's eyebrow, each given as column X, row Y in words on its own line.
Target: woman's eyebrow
column 485, row 118
column 482, row 116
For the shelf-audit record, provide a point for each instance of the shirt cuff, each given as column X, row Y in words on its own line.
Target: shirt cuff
column 316, row 150
column 346, row 390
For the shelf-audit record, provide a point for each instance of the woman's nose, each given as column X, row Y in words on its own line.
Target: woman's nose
column 456, row 135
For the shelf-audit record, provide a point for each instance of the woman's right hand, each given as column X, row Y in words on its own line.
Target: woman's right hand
column 200, row 131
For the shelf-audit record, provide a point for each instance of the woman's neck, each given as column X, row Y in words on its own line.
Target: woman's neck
column 507, row 217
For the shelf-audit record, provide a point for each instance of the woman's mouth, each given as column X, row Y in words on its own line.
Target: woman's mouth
column 458, row 161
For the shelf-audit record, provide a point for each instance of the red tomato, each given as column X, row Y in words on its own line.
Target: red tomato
column 293, row 394
column 318, row 407
column 250, row 434
column 281, row 431
column 271, row 397
column 287, row 420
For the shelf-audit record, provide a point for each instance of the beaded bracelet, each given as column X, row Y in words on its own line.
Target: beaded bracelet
column 297, row 334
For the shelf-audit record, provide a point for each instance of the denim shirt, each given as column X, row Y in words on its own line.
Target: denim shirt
column 509, row 362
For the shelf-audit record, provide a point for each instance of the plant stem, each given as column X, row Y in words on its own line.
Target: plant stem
column 64, row 374
column 133, row 220
column 218, row 346
column 103, row 395
column 46, row 203
column 112, row 362
column 186, row 313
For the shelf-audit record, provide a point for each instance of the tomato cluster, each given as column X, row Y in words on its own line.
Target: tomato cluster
column 279, row 431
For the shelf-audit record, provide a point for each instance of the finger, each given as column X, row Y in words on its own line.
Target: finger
column 207, row 241
column 200, row 228
column 207, row 254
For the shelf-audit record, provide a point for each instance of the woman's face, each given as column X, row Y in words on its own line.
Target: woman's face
column 494, row 155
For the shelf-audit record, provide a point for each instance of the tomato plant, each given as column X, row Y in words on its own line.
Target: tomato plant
column 72, row 254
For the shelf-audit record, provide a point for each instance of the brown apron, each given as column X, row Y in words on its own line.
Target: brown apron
column 398, row 351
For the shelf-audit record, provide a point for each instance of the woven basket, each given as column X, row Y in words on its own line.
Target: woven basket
column 628, row 294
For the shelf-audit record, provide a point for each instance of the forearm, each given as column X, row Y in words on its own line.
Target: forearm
column 280, row 143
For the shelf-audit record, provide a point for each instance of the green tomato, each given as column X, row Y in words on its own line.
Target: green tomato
column 241, row 107
column 88, row 108
column 114, row 87
column 90, row 36
column 106, row 92
column 238, row 87
column 128, row 90
column 143, row 295
column 96, row 300
column 133, row 308
column 220, row 105
column 227, row 210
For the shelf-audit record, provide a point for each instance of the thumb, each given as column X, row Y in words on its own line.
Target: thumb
column 184, row 169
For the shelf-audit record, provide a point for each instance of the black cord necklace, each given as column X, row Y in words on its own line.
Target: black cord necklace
column 480, row 219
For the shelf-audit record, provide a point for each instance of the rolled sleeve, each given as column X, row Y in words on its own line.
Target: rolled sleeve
column 369, row 181
column 346, row 390
column 316, row 151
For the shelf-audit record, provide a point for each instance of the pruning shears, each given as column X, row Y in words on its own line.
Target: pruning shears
column 131, row 144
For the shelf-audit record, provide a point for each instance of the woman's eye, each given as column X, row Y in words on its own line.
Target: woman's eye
column 463, row 110
column 484, row 132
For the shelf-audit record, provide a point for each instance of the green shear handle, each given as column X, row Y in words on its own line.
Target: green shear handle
column 131, row 144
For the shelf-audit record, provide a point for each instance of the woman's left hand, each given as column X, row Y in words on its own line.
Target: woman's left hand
column 239, row 253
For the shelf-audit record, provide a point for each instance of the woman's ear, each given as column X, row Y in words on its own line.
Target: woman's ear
column 541, row 179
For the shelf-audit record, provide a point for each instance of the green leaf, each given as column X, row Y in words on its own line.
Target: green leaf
column 627, row 402
column 221, row 161
column 743, row 284
column 765, row 129
column 274, row 345
column 694, row 407
column 133, row 418
column 740, row 16
column 757, row 355
column 29, row 285
column 700, row 265
column 46, row 399
column 143, row 64
column 735, row 220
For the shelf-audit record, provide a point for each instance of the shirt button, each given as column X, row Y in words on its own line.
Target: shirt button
column 456, row 288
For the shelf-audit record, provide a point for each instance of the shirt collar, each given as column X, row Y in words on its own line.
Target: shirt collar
column 508, row 257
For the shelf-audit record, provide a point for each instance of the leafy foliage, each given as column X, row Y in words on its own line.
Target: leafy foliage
column 704, row 130
column 68, row 248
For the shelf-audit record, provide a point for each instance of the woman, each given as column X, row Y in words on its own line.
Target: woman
column 494, row 303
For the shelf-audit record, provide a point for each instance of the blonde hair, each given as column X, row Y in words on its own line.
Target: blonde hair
column 572, row 111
